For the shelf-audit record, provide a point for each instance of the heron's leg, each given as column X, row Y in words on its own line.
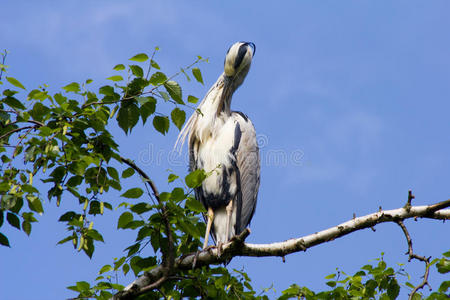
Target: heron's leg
column 208, row 226
column 229, row 209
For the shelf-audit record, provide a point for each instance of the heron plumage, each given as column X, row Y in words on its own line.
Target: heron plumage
column 223, row 143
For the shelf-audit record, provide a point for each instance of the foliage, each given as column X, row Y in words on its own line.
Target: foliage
column 64, row 140
column 372, row 281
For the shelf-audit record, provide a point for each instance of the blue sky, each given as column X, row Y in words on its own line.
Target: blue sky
column 350, row 100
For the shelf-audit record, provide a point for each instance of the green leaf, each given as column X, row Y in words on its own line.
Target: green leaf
column 185, row 74
column 192, row 99
column 106, row 90
column 28, row 216
column 444, row 286
column 188, row 228
column 134, row 265
column 164, row 95
column 13, row 220
column 443, row 266
column 161, row 124
column 113, row 173
column 172, row 177
column 45, row 131
column 26, row 227
column 331, row 276
column 34, row 204
column 125, row 269
column 128, row 116
column 119, row 67
column 83, row 286
column 124, row 219
column 141, row 208
column 14, row 103
column 141, row 57
column 393, row 289
column 195, row 205
column 128, row 172
column 147, row 262
column 174, row 90
column 147, row 108
column 154, row 64
column 197, row 74
column 177, row 194
column 4, row 240
column 137, row 71
column 104, row 269
column 38, row 95
column 195, row 179
column 66, row 239
column 72, row 87
column 178, row 117
column 133, row 193
column 68, row 216
column 115, row 78
column 158, row 78
column 39, row 111
column 408, row 284
column 95, row 235
column 134, row 248
column 60, row 99
column 15, row 82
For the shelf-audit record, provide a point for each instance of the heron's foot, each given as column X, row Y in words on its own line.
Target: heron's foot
column 195, row 258
column 208, row 248
column 219, row 249
column 197, row 253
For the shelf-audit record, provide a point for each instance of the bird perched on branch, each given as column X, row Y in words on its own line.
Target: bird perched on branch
column 223, row 143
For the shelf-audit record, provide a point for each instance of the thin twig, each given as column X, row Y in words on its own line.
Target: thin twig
column 151, row 91
column 150, row 64
column 168, row 258
column 143, row 174
column 16, row 130
column 3, row 63
column 412, row 255
column 410, row 197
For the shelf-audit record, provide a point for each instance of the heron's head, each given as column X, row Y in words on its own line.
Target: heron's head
column 238, row 60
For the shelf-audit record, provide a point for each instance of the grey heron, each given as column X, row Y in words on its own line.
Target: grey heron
column 223, row 143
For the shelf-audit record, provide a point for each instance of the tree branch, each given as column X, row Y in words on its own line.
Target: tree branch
column 412, row 255
column 15, row 130
column 237, row 247
column 168, row 259
column 143, row 174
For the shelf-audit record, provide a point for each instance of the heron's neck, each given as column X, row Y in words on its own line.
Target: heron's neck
column 215, row 109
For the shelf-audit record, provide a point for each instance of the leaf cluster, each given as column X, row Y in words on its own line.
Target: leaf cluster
column 372, row 281
column 63, row 141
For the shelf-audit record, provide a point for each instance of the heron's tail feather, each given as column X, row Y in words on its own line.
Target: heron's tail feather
column 184, row 133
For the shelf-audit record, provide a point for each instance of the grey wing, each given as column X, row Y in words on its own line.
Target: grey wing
column 248, row 163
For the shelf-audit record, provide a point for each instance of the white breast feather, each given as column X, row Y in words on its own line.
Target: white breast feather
column 215, row 154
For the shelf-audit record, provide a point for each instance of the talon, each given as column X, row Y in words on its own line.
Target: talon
column 219, row 249
column 197, row 253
